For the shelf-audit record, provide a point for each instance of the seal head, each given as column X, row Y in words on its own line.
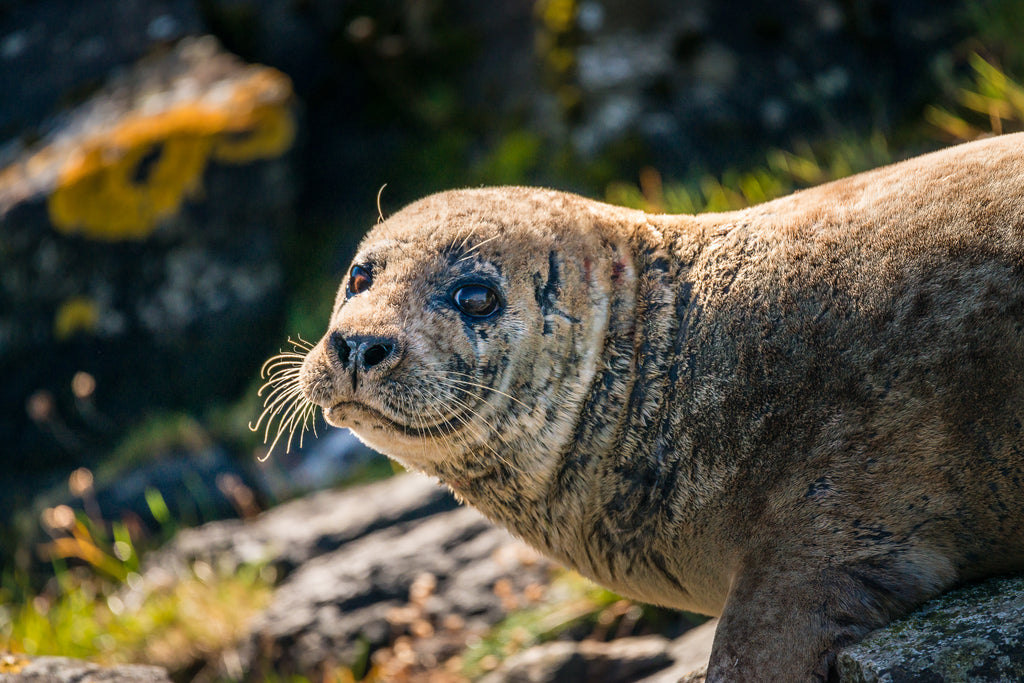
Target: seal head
column 457, row 314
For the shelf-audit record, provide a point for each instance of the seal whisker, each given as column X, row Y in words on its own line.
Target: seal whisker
column 480, row 437
column 469, row 252
column 380, row 214
column 280, row 394
column 470, row 381
column 451, row 384
column 493, row 430
column 283, row 406
column 446, row 439
column 299, row 410
column 472, row 229
column 446, row 432
column 486, row 388
column 280, row 372
column 273, row 364
column 285, row 400
column 300, row 343
column 478, row 399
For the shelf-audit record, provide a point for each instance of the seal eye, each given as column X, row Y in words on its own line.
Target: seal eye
column 477, row 301
column 359, row 280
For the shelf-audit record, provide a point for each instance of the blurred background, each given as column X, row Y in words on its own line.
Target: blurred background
column 183, row 182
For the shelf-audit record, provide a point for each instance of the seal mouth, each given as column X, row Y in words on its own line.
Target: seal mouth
column 437, row 430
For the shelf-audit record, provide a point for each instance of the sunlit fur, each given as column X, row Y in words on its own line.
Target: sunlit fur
column 805, row 416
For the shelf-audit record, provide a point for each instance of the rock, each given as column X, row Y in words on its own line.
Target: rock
column 622, row 660
column 396, row 567
column 971, row 635
column 689, row 652
column 362, row 567
column 708, row 82
column 142, row 236
column 21, row 669
column 363, row 594
column 290, row 535
column 57, row 50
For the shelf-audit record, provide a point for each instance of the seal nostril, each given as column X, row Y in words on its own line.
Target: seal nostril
column 376, row 354
column 341, row 347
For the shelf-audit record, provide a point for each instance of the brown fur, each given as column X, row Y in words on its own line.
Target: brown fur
column 804, row 416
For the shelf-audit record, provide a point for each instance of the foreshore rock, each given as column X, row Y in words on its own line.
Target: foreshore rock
column 142, row 229
column 21, row 669
column 290, row 535
column 364, row 566
column 975, row 634
column 397, row 567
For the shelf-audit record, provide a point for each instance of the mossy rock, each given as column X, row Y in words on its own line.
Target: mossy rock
column 971, row 635
column 142, row 252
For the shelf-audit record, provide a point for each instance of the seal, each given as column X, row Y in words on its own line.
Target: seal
column 805, row 416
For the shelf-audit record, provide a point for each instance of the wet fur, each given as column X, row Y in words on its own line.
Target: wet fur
column 804, row 416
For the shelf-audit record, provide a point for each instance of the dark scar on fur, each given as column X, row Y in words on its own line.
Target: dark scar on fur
column 547, row 294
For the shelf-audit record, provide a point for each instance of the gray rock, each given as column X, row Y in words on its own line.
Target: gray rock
column 290, row 535
column 335, row 602
column 19, row 669
column 49, row 50
column 142, row 229
column 972, row 635
column 617, row 661
column 690, row 653
column 693, row 66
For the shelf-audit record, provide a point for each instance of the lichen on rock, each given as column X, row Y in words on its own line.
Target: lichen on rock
column 136, row 150
column 975, row 634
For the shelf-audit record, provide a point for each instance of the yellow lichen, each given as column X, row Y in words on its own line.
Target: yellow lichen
column 77, row 314
column 559, row 16
column 121, row 184
column 270, row 136
column 102, row 198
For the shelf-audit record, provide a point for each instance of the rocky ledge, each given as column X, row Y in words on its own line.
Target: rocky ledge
column 397, row 568
column 396, row 578
column 18, row 669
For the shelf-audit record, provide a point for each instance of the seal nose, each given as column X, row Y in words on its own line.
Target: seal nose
column 362, row 352
column 372, row 351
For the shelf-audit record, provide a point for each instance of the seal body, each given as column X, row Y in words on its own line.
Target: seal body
column 805, row 416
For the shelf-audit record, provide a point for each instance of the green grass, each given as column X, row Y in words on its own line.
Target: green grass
column 989, row 102
column 571, row 603
column 83, row 614
column 782, row 173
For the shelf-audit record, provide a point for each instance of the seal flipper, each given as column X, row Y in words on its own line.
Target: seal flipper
column 784, row 621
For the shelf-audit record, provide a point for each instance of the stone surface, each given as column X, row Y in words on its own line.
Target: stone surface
column 356, row 594
column 141, row 229
column 53, row 51
column 623, row 660
column 972, row 635
column 703, row 84
column 21, row 669
column 689, row 652
column 397, row 568
column 292, row 534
